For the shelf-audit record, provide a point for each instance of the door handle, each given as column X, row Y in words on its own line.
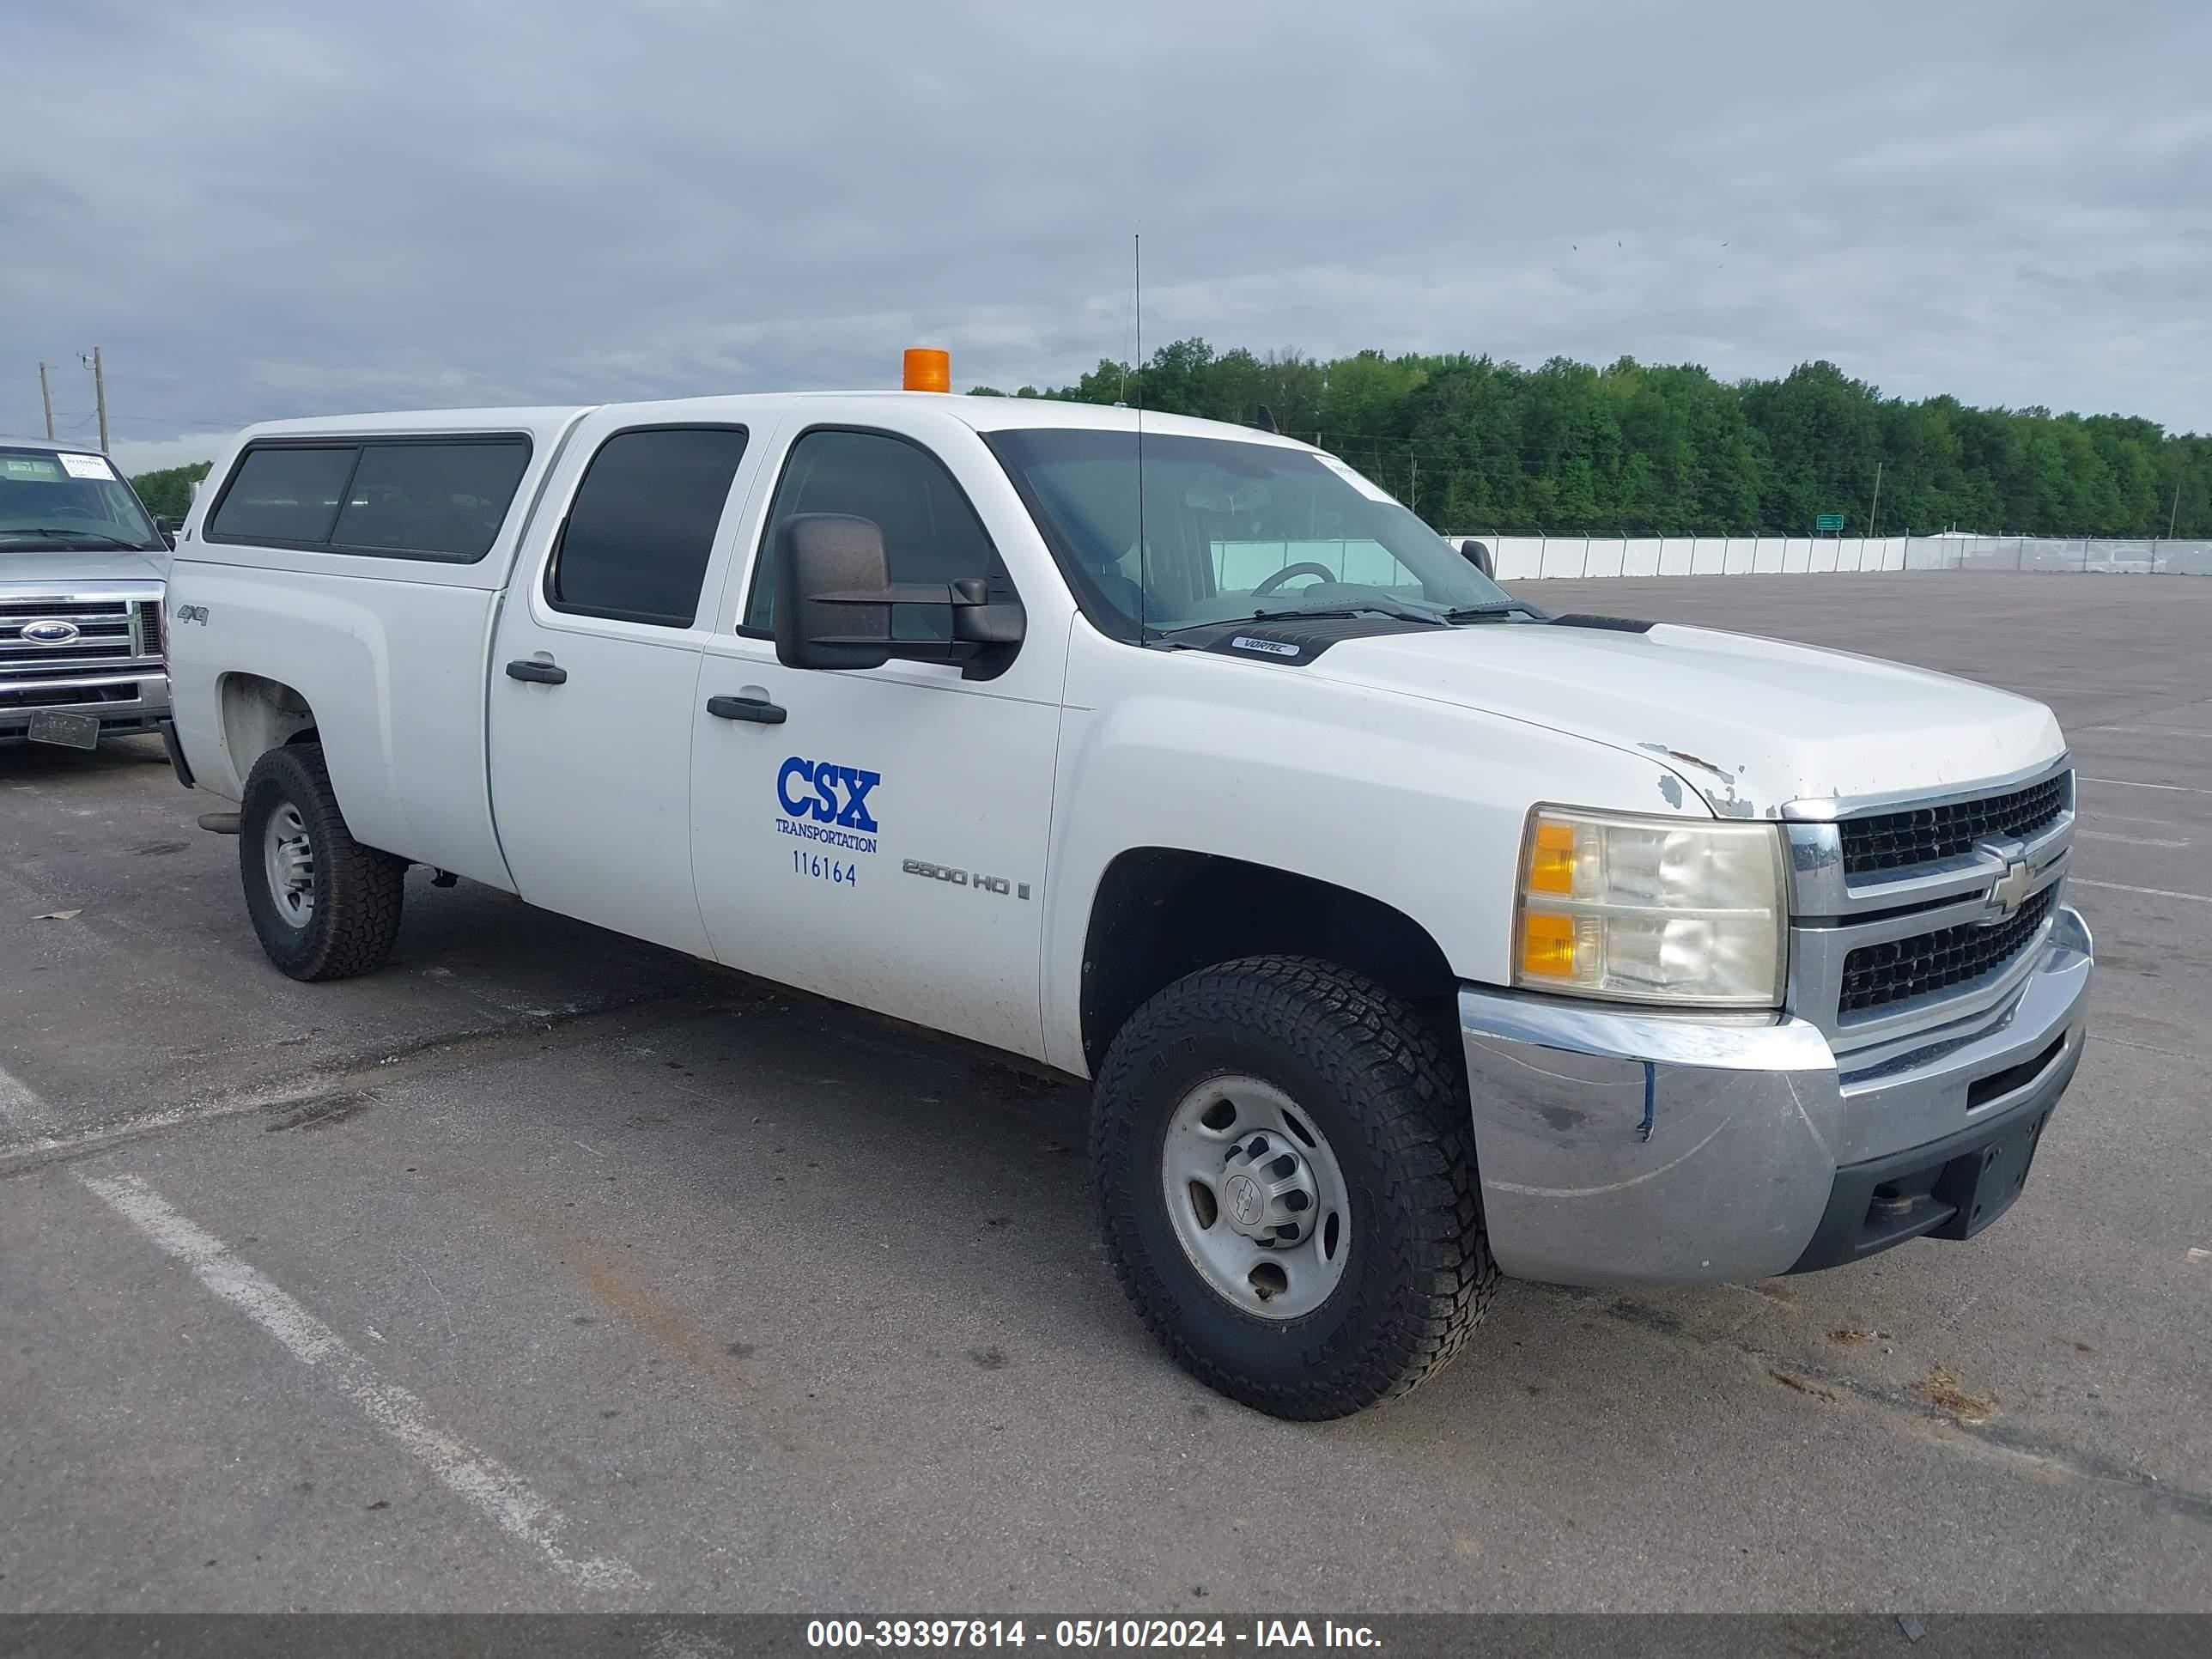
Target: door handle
column 538, row 673
column 759, row 710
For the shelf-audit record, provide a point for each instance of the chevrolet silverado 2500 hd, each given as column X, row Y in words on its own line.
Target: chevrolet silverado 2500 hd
column 1410, row 935
column 81, row 574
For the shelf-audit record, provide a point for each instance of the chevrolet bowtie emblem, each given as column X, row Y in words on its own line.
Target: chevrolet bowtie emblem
column 2009, row 891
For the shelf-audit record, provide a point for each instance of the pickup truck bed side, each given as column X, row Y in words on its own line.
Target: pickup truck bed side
column 383, row 659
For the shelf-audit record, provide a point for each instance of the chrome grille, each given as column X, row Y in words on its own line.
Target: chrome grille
column 1897, row 970
column 1891, row 933
column 1924, row 835
column 113, row 635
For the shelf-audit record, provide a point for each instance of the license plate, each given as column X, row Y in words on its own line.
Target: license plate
column 70, row 731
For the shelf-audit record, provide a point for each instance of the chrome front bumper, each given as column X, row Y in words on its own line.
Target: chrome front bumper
column 1624, row 1148
column 142, row 711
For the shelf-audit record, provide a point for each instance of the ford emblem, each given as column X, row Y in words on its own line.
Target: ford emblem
column 50, row 630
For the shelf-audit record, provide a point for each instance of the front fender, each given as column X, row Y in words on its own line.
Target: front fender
column 1420, row 803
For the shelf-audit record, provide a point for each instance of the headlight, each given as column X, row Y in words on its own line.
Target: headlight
column 1651, row 909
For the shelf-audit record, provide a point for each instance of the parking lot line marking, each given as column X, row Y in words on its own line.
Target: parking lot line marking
column 18, row 1105
column 2149, row 1048
column 2132, row 840
column 2123, row 817
column 2150, row 892
column 2130, row 783
column 493, row 1489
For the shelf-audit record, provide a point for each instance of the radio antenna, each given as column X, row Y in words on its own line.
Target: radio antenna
column 1137, row 331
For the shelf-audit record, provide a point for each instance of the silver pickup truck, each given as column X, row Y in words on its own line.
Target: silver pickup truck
column 82, row 573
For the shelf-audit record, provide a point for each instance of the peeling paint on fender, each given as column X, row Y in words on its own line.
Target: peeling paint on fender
column 1721, row 795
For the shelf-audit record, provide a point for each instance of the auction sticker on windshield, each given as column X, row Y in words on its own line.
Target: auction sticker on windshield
column 28, row 466
column 87, row 466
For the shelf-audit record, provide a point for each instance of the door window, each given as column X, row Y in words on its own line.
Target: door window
column 931, row 534
column 641, row 528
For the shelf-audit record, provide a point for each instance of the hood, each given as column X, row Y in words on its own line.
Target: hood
column 1749, row 723
column 57, row 569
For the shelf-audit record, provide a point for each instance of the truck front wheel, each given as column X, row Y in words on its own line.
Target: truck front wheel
column 1286, row 1165
column 325, row 906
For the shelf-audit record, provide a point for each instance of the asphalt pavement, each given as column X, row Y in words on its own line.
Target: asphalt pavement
column 546, row 1270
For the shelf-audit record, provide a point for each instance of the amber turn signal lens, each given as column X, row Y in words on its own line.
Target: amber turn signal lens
column 1547, row 945
column 927, row 370
column 1552, row 861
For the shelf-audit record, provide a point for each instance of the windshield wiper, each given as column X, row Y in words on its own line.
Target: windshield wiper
column 1397, row 608
column 1338, row 609
column 93, row 536
column 1477, row 612
column 1343, row 609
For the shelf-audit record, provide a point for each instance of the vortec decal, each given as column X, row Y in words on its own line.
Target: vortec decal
column 825, row 802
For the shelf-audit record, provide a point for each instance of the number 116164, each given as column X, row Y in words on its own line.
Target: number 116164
column 817, row 868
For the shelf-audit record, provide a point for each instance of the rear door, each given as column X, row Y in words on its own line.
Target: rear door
column 593, row 671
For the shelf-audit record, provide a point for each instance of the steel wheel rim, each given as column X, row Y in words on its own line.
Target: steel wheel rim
column 1230, row 1206
column 288, row 856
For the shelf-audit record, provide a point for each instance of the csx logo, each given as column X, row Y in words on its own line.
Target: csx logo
column 827, row 793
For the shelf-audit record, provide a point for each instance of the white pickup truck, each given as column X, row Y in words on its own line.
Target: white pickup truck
column 1410, row 935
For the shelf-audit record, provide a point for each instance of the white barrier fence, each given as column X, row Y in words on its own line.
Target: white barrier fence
column 1527, row 557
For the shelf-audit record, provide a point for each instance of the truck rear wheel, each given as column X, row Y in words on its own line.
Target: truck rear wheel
column 325, row 906
column 1286, row 1163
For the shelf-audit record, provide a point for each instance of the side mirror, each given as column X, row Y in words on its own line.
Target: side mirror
column 824, row 561
column 167, row 530
column 1478, row 556
column 834, row 600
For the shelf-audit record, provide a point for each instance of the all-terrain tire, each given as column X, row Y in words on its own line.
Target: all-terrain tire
column 1375, row 1080
column 356, row 890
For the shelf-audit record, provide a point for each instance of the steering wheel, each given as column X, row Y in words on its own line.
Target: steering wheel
column 1307, row 568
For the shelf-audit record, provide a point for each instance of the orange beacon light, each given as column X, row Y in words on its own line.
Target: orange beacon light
column 927, row 370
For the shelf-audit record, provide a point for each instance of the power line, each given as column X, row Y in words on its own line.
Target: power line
column 220, row 421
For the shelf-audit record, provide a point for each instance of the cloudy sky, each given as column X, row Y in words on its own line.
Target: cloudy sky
column 268, row 210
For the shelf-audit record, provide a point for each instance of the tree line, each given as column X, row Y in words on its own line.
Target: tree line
column 1474, row 444
column 168, row 492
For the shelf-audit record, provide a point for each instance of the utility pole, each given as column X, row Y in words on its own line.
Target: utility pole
column 46, row 396
column 100, row 395
column 1413, row 485
column 1874, row 514
column 2172, row 518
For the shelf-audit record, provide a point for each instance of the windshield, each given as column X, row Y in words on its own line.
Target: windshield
column 48, row 500
column 1230, row 528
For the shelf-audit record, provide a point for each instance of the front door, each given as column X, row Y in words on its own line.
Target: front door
column 883, row 841
column 594, row 672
